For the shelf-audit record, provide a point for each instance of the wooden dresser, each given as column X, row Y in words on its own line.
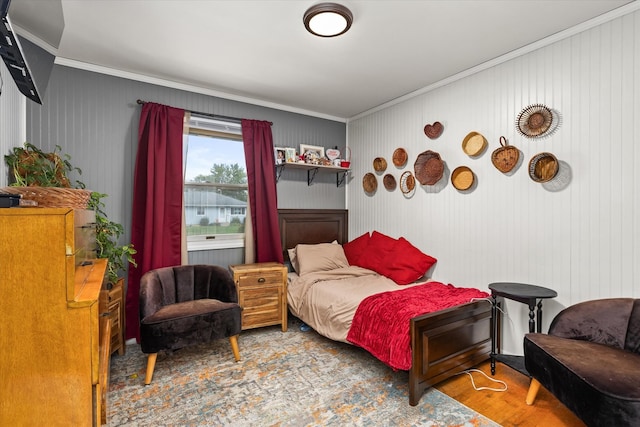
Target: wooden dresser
column 55, row 346
column 262, row 293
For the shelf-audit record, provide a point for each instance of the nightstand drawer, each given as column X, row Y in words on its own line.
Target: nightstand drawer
column 260, row 279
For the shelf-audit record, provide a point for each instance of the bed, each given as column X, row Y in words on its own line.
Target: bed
column 442, row 343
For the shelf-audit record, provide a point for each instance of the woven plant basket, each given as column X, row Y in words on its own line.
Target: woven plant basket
column 53, row 197
column 506, row 157
column 428, row 168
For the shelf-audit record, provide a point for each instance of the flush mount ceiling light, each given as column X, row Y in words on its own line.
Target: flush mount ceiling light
column 327, row 19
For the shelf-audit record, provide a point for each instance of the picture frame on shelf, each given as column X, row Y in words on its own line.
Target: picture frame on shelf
column 311, row 153
column 290, row 155
column 280, row 155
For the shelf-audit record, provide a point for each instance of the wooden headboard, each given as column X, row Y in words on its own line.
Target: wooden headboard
column 309, row 226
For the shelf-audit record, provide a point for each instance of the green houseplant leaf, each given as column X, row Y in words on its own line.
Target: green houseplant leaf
column 107, row 237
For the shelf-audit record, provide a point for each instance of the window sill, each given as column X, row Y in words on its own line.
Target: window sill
column 214, row 244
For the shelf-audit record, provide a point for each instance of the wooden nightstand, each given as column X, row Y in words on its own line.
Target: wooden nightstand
column 262, row 294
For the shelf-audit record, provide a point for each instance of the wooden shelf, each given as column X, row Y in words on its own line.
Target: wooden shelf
column 312, row 170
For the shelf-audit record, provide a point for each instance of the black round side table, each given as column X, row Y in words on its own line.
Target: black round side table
column 531, row 295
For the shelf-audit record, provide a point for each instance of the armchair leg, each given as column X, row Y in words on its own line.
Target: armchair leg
column 533, row 391
column 234, row 346
column 151, row 364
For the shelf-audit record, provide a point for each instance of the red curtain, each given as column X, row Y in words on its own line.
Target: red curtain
column 157, row 200
column 263, row 199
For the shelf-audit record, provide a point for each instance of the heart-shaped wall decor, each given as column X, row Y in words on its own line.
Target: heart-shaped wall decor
column 433, row 131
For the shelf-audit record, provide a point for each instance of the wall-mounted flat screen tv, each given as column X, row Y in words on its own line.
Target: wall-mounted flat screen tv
column 29, row 64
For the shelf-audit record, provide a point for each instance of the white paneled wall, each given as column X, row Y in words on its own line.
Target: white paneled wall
column 581, row 239
column 12, row 119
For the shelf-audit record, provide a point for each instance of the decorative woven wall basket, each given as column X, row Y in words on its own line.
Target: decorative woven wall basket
column 379, row 164
column 474, row 144
column 428, row 168
column 369, row 182
column 433, row 131
column 462, row 178
column 400, row 157
column 53, row 197
column 389, row 182
column 534, row 121
column 407, row 183
column 543, row 167
column 506, row 157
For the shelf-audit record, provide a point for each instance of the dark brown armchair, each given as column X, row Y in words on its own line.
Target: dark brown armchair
column 186, row 305
column 590, row 361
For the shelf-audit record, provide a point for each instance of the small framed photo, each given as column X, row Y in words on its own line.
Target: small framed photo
column 290, row 155
column 312, row 153
column 280, row 155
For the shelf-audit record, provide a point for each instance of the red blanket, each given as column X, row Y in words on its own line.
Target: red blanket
column 381, row 323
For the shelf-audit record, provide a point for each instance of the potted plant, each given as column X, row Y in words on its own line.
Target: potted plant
column 37, row 174
column 107, row 237
column 42, row 177
column 33, row 167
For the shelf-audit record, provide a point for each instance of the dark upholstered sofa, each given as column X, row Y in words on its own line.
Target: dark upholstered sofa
column 590, row 361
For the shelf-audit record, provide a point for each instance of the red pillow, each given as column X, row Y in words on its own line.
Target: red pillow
column 405, row 263
column 379, row 248
column 355, row 248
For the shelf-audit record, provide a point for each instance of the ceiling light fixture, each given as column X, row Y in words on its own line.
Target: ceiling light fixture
column 327, row 19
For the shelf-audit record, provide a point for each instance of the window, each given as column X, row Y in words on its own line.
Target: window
column 215, row 184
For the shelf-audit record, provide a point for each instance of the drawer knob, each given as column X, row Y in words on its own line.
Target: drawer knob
column 261, row 280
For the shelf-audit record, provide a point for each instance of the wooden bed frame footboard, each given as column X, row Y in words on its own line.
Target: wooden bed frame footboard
column 447, row 342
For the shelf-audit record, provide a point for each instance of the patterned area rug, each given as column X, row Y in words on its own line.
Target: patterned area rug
column 289, row 378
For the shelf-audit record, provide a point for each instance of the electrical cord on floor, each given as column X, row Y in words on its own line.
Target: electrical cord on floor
column 473, row 383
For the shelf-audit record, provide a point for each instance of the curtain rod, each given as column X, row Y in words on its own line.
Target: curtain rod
column 213, row 116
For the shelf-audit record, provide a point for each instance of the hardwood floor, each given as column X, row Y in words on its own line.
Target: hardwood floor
column 508, row 408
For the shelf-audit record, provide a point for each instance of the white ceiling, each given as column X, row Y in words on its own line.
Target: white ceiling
column 259, row 51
